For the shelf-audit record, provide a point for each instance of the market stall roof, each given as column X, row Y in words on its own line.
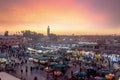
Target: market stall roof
column 59, row 65
column 2, row 56
column 105, row 71
column 89, row 67
column 15, row 46
column 6, row 76
column 59, row 58
column 99, row 78
column 52, row 63
column 44, row 58
column 116, row 66
column 80, row 74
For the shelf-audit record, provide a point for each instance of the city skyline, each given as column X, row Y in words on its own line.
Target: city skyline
column 63, row 16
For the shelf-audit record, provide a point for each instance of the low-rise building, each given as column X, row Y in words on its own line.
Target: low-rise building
column 11, row 40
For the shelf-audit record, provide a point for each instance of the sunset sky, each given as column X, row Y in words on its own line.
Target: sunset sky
column 63, row 16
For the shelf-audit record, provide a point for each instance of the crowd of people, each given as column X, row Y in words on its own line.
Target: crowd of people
column 17, row 57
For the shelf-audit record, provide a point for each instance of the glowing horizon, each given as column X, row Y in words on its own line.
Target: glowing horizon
column 63, row 16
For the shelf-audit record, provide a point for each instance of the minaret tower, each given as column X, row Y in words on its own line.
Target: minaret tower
column 48, row 31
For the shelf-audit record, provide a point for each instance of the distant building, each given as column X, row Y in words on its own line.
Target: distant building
column 53, row 37
column 10, row 40
column 48, row 31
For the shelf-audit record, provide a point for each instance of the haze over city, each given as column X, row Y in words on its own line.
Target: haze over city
column 59, row 39
column 63, row 16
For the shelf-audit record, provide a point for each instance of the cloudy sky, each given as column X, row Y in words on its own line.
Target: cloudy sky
column 63, row 16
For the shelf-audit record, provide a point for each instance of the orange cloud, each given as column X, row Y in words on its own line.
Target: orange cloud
column 63, row 15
